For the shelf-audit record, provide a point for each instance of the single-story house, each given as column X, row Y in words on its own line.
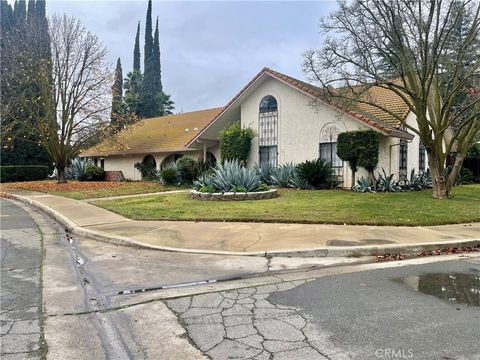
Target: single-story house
column 292, row 124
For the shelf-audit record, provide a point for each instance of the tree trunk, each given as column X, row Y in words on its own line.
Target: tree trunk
column 439, row 183
column 373, row 181
column 353, row 178
column 455, row 171
column 61, row 175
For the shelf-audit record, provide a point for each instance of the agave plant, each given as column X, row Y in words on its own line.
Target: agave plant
column 283, row 176
column 363, row 185
column 425, row 179
column 77, row 170
column 231, row 175
column 266, row 172
column 385, row 183
column 204, row 181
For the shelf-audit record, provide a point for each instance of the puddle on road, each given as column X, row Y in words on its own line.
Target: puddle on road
column 456, row 288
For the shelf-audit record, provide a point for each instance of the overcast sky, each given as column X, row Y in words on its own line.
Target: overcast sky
column 209, row 50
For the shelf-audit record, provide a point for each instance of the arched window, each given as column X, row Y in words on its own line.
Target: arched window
column 268, row 131
column 170, row 161
column 268, row 104
column 148, row 167
column 328, row 147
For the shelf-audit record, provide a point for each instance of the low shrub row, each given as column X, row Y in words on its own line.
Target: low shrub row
column 386, row 183
column 184, row 172
column 310, row 174
column 11, row 173
column 232, row 176
column 422, row 180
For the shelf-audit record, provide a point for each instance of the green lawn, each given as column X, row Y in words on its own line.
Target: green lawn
column 80, row 190
column 308, row 206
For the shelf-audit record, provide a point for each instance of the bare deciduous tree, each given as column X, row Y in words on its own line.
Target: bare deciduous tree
column 413, row 48
column 74, row 90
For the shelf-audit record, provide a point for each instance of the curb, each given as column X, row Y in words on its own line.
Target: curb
column 330, row 251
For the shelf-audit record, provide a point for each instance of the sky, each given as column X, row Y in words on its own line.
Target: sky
column 209, row 50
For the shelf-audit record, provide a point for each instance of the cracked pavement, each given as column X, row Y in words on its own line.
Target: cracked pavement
column 357, row 315
column 244, row 324
column 320, row 311
column 20, row 284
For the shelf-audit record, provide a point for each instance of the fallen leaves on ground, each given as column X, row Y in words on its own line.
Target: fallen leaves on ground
column 390, row 257
column 444, row 251
column 52, row 185
column 73, row 185
column 451, row 250
column 86, row 189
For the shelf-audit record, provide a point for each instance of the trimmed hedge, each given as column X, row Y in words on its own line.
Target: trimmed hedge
column 93, row 173
column 235, row 142
column 11, row 173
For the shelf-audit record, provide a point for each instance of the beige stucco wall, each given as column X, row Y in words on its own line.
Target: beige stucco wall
column 126, row 163
column 413, row 147
column 390, row 155
column 300, row 124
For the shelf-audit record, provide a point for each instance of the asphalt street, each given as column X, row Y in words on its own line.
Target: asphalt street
column 20, row 284
column 345, row 311
column 378, row 314
column 375, row 314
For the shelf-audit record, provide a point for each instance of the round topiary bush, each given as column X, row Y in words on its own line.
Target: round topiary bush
column 94, row 173
column 188, row 169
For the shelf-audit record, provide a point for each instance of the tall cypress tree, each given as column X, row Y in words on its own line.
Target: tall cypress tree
column 6, row 16
column 148, row 46
column 20, row 11
column 148, row 88
column 31, row 12
column 117, row 97
column 157, row 71
column 136, row 50
column 42, row 41
column 151, row 100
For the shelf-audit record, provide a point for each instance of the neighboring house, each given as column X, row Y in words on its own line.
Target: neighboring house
column 292, row 124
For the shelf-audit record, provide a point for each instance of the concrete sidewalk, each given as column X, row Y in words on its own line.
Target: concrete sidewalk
column 248, row 238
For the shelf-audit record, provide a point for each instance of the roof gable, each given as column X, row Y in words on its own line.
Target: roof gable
column 366, row 114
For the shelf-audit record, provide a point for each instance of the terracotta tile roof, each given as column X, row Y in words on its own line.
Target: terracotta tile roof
column 366, row 113
column 160, row 134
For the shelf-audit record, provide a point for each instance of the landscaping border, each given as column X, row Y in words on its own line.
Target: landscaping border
column 234, row 196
